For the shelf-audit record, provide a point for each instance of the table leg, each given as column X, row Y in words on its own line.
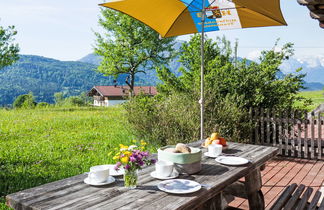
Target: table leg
column 253, row 184
column 214, row 203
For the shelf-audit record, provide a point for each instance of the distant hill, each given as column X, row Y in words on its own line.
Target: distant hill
column 46, row 76
column 311, row 86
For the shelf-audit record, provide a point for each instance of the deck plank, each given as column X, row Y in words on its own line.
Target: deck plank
column 295, row 170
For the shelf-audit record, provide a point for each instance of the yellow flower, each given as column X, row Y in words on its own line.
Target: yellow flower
column 143, row 143
column 123, row 146
column 124, row 159
column 127, row 153
column 134, row 141
column 116, row 157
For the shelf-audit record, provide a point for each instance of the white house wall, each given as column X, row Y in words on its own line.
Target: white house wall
column 107, row 102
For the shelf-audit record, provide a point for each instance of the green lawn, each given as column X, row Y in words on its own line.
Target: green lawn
column 316, row 96
column 44, row 145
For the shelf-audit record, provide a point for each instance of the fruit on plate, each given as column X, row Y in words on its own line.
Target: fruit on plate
column 208, row 141
column 216, row 141
column 214, row 136
column 222, row 141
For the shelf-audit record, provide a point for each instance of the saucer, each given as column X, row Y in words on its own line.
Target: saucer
column 209, row 155
column 174, row 174
column 108, row 181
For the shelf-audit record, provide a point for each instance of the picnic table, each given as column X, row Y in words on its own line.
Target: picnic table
column 217, row 180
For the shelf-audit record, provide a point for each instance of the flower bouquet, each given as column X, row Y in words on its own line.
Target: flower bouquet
column 132, row 158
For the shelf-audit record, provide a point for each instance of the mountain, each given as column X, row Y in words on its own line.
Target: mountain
column 46, row 76
column 312, row 66
column 91, row 58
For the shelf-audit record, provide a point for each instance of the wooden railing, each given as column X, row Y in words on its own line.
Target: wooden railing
column 297, row 134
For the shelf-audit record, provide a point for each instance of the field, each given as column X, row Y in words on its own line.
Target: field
column 316, row 96
column 43, row 145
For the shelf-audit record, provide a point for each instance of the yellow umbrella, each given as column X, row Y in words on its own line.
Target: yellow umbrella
column 178, row 17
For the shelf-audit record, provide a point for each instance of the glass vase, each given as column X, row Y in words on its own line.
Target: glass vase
column 130, row 179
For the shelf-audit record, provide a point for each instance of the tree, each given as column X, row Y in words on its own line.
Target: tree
column 231, row 88
column 253, row 84
column 8, row 49
column 130, row 47
column 59, row 98
column 25, row 101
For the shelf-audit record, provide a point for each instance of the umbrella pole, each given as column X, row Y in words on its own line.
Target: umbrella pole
column 202, row 51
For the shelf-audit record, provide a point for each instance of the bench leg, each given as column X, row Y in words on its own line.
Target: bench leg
column 253, row 184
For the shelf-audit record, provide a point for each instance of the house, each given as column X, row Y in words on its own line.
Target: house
column 316, row 8
column 113, row 95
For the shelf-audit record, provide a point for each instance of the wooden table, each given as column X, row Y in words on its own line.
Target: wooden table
column 72, row 193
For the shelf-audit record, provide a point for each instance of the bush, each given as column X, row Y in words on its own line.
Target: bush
column 231, row 89
column 176, row 119
column 25, row 101
column 43, row 104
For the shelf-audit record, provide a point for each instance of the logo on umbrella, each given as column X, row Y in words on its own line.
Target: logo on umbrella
column 213, row 12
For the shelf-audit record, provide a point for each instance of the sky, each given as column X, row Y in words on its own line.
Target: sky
column 64, row 29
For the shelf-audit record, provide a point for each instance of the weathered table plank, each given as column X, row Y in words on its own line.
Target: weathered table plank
column 72, row 193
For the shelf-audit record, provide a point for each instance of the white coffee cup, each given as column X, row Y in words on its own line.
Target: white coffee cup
column 215, row 149
column 99, row 173
column 164, row 168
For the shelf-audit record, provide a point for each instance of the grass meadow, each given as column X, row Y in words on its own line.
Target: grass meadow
column 38, row 146
column 316, row 96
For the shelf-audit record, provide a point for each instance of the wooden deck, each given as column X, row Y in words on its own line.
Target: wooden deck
column 283, row 171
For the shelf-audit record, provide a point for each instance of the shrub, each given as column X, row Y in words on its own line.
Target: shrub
column 230, row 90
column 43, row 104
column 25, row 101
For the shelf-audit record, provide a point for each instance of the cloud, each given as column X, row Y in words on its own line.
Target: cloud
column 254, row 55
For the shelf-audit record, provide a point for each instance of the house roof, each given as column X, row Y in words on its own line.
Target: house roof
column 121, row 90
column 316, row 8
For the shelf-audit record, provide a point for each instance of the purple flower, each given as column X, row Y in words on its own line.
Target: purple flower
column 132, row 159
column 153, row 161
column 139, row 157
column 127, row 167
column 145, row 154
column 141, row 163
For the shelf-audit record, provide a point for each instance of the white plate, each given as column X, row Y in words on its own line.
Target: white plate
column 209, row 155
column 179, row 186
column 113, row 172
column 108, row 181
column 174, row 174
column 232, row 161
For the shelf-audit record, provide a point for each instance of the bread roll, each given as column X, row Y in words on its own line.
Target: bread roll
column 173, row 150
column 183, row 148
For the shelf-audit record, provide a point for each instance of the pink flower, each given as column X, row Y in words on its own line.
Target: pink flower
column 118, row 164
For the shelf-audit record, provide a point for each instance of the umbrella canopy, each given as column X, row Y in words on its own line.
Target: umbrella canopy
column 178, row 17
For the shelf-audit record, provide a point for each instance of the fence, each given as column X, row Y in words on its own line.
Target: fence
column 297, row 134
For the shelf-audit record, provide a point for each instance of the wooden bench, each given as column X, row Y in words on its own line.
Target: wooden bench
column 292, row 198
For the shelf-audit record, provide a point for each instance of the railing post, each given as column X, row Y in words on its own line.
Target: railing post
column 312, row 137
column 319, row 136
column 306, row 135
column 280, row 132
column 299, row 138
column 274, row 126
column 268, row 126
column 262, row 125
column 292, row 133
